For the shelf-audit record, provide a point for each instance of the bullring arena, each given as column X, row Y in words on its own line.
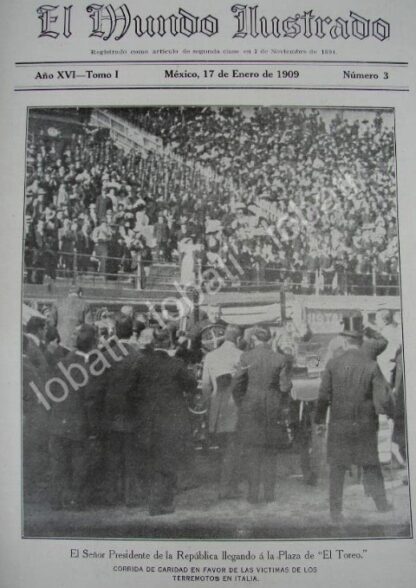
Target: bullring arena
column 189, row 220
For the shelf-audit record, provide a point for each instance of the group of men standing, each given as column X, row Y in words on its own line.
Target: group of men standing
column 249, row 391
column 117, row 428
column 245, row 390
column 116, row 423
column 122, row 431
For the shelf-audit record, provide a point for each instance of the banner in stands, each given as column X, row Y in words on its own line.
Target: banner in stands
column 324, row 313
column 250, row 315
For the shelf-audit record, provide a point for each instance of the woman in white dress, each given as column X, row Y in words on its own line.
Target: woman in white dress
column 187, row 250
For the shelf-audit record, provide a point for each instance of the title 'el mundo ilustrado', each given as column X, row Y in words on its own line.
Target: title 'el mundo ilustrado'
column 115, row 22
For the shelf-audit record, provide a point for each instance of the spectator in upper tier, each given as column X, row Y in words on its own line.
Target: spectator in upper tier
column 161, row 235
column 102, row 237
column 103, row 204
column 258, row 173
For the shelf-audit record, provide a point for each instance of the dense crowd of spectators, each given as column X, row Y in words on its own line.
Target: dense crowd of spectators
column 272, row 194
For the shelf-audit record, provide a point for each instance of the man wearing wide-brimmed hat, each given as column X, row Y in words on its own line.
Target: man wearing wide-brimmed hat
column 354, row 388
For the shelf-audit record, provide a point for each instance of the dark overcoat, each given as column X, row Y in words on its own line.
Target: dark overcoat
column 118, row 409
column 260, row 385
column 374, row 344
column 399, row 429
column 75, row 416
column 37, row 358
column 35, row 430
column 164, row 427
column 354, row 388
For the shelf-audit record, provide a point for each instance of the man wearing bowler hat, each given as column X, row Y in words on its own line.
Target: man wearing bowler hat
column 354, row 388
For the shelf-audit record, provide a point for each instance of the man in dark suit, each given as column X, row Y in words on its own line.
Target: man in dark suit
column 124, row 468
column 373, row 343
column 399, row 428
column 39, row 241
column 73, row 423
column 164, row 428
column 35, row 347
column 354, row 388
column 35, row 430
column 54, row 351
column 261, row 386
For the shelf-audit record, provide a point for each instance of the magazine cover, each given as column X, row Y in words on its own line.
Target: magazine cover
column 207, row 294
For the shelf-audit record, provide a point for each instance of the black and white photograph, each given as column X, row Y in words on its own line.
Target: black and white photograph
column 211, row 324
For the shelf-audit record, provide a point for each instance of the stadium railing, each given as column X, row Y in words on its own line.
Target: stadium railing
column 133, row 273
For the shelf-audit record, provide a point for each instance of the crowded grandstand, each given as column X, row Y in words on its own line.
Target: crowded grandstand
column 304, row 197
column 170, row 246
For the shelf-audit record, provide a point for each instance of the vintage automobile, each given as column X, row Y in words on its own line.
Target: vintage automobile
column 306, row 358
